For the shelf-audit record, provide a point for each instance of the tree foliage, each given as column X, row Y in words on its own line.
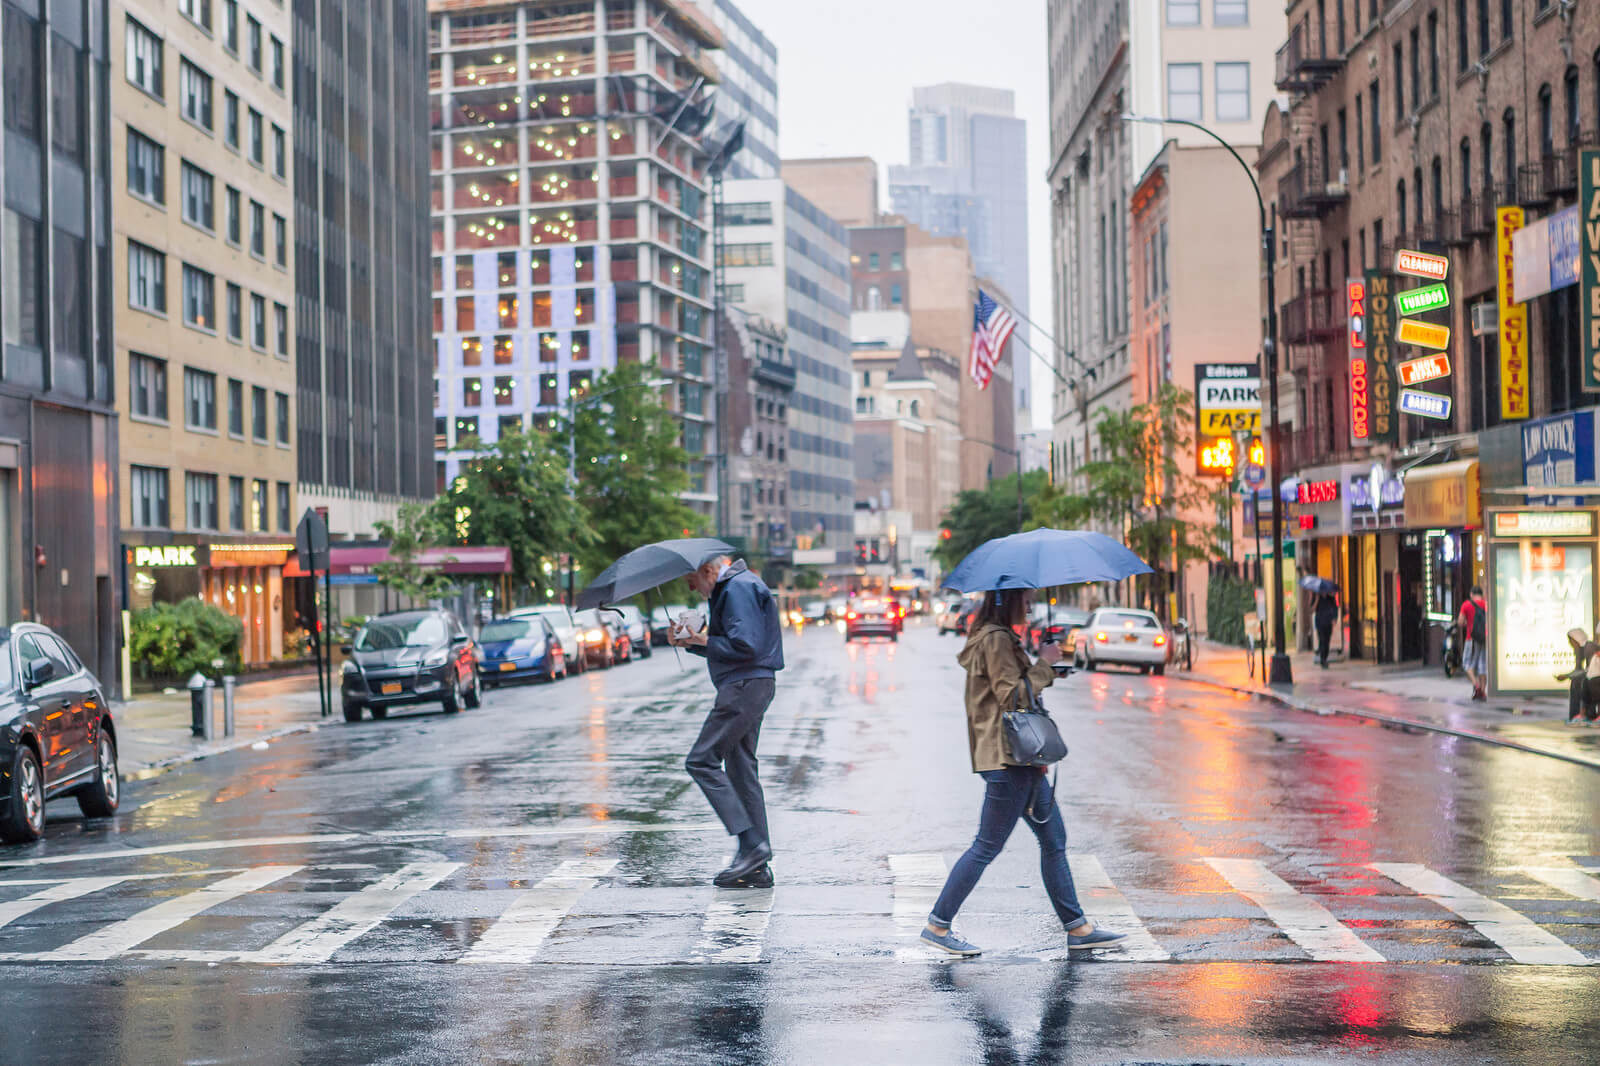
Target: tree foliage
column 417, row 527
column 631, row 467
column 176, row 639
column 977, row 515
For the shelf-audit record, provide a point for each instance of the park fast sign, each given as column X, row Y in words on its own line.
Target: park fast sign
column 1227, row 404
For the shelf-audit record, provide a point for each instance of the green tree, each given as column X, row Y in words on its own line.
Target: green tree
column 416, row 528
column 977, row 515
column 515, row 494
column 631, row 467
column 175, row 639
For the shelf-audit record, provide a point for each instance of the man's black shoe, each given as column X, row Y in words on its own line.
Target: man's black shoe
column 744, row 864
column 762, row 878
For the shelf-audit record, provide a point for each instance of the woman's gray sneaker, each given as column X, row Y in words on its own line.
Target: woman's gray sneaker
column 951, row 943
column 1100, row 938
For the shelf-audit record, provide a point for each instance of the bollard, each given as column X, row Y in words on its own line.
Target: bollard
column 200, row 689
column 228, row 683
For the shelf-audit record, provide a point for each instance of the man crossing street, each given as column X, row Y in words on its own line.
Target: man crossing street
column 742, row 643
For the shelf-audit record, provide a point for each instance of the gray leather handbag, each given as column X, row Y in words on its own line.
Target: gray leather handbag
column 1031, row 733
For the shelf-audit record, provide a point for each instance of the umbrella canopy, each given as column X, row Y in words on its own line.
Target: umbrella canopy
column 1318, row 584
column 1041, row 558
column 654, row 564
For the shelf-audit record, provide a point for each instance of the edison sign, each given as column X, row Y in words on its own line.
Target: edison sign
column 1227, row 398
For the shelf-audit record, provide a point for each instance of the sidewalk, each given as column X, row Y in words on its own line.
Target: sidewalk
column 1407, row 695
column 153, row 729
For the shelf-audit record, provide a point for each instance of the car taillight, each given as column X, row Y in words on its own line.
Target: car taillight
column 1101, row 637
column 1160, row 640
column 850, row 616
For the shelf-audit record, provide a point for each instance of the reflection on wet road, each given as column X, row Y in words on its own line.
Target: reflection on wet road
column 533, row 878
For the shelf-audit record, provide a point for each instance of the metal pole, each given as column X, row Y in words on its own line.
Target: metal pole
column 327, row 592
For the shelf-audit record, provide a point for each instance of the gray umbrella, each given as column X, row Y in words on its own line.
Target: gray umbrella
column 645, row 568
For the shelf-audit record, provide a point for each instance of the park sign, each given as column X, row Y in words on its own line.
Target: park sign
column 1589, row 263
column 1421, row 265
column 1421, row 301
column 1227, row 397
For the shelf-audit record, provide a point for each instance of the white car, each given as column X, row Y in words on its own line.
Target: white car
column 1125, row 636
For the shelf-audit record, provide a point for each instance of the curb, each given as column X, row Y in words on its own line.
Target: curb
column 172, row 762
column 1285, row 700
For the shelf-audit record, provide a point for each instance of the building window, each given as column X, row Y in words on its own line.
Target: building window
column 147, row 386
column 198, row 206
column 235, row 312
column 143, row 61
column 758, row 213
column 467, row 432
column 505, row 392
column 200, row 490
column 1377, row 124
column 280, row 240
column 230, row 25
column 284, row 524
column 1483, row 27
column 471, row 392
column 1230, row 13
column 1507, row 19
column 872, row 261
column 1399, row 84
column 894, row 295
column 235, row 408
column 280, row 153
column 200, row 399
column 199, row 298
column 236, row 503
column 280, row 322
column 733, row 294
column 147, row 278
column 252, row 40
column 896, row 262
column 147, row 168
column 1183, row 12
column 258, row 230
column 258, row 414
column 66, row 100
column 281, row 399
column 277, row 65
column 233, row 210
column 258, row 321
column 21, row 297
column 148, row 496
column 196, row 11
column 260, row 516
column 1433, row 55
column 230, row 120
column 737, row 255
column 254, row 125
column 1233, row 92
column 1183, row 92
column 194, row 94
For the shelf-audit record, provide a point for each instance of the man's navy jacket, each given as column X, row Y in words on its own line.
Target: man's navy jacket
column 744, row 638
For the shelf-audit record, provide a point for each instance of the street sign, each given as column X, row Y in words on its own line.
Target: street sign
column 1255, row 476
column 1227, row 399
column 311, row 541
column 1421, row 301
column 1426, row 404
column 1421, row 265
column 1428, row 368
column 1424, row 334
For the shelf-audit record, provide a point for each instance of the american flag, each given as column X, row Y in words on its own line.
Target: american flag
column 991, row 328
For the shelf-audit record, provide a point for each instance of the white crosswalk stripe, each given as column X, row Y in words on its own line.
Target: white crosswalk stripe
column 1569, row 879
column 13, row 909
column 318, row 939
column 918, row 877
column 1514, row 933
column 525, row 925
column 735, row 926
column 1302, row 919
column 151, row 922
column 1104, row 902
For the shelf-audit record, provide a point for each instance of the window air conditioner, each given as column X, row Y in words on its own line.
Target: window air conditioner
column 1485, row 319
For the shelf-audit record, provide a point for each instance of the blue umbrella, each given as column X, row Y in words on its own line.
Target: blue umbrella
column 1041, row 558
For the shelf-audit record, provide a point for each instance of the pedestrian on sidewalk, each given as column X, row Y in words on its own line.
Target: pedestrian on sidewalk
column 1583, row 694
column 1474, row 621
column 1323, row 618
column 742, row 643
column 998, row 676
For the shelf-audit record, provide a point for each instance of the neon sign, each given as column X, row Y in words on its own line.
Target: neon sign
column 1428, row 368
column 1421, row 265
column 1318, row 492
column 1360, row 402
column 1423, row 334
column 1420, row 301
column 1426, row 404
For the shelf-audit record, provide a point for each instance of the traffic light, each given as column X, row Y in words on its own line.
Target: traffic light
column 876, row 557
column 861, row 552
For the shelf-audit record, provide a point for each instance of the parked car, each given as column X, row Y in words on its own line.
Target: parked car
column 639, row 635
column 944, row 615
column 837, row 607
column 868, row 617
column 1051, row 625
column 520, row 649
column 60, row 739
column 566, row 631
column 964, row 611
column 1126, row 636
column 815, row 612
column 596, row 640
column 661, row 621
column 407, row 657
column 622, row 650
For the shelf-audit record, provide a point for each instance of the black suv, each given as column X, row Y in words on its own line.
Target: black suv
column 58, row 740
column 410, row 657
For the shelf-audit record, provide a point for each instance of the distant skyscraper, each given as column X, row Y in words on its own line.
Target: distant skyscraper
column 968, row 177
column 749, row 91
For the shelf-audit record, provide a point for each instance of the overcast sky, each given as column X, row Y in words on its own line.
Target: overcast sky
column 846, row 69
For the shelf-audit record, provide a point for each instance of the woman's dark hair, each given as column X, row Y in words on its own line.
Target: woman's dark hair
column 1001, row 609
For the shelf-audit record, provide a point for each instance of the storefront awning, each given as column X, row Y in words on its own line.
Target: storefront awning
column 1445, row 495
column 360, row 559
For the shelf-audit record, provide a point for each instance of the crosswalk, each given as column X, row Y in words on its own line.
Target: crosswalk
column 585, row 910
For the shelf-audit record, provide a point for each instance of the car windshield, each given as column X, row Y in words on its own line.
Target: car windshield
column 1127, row 620
column 556, row 615
column 1067, row 616
column 506, row 629
column 590, row 617
column 5, row 661
column 405, row 631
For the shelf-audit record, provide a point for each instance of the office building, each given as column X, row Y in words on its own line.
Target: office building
column 748, row 92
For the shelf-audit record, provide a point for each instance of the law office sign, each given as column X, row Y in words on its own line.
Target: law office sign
column 1227, row 399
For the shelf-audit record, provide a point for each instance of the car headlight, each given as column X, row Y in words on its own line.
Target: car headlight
column 438, row 658
column 349, row 668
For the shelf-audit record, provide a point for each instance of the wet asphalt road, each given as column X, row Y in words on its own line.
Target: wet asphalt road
column 530, row 882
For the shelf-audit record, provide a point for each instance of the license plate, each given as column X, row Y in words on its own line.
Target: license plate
column 389, row 688
column 1131, row 638
column 508, row 666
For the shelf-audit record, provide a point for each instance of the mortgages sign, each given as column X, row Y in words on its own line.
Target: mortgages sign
column 1378, row 362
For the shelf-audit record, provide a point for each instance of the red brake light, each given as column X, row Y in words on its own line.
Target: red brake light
column 1160, row 640
column 1101, row 637
column 850, row 615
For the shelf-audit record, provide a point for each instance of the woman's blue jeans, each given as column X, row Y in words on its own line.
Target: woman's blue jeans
column 1007, row 797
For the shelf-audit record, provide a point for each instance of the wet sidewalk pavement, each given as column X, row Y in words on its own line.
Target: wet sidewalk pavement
column 153, row 729
column 1406, row 696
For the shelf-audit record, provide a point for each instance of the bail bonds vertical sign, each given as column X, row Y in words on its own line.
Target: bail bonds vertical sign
column 1382, row 425
column 1589, row 263
column 1514, row 382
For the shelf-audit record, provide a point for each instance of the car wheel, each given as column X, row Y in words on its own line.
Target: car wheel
column 380, row 713
column 24, row 819
column 1159, row 671
column 451, row 701
column 99, row 798
column 352, row 712
column 474, row 695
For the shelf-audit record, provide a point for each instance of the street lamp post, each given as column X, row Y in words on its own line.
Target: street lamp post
column 1281, row 673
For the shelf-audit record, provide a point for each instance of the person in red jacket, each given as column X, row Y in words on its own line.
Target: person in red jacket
column 1474, row 620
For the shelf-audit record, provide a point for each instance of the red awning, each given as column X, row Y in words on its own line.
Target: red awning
column 360, row 559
